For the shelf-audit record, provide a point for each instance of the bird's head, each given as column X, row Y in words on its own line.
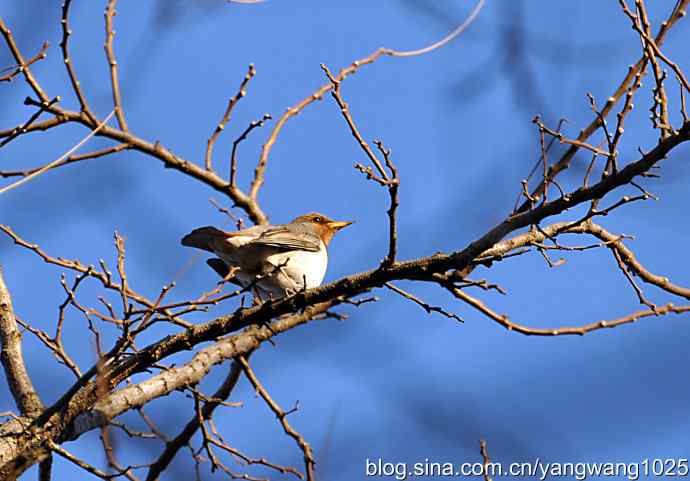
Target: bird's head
column 323, row 226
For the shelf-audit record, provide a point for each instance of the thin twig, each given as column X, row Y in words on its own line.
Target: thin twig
column 67, row 59
column 22, row 129
column 282, row 417
column 23, row 64
column 112, row 63
column 17, row 69
column 238, row 140
column 208, row 158
column 427, row 307
column 344, row 72
column 485, row 459
column 60, row 159
column 504, row 321
column 445, row 40
column 72, row 158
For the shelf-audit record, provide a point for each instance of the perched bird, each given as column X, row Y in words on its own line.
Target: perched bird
column 275, row 260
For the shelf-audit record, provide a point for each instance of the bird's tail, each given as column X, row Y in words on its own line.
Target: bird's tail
column 218, row 266
column 204, row 238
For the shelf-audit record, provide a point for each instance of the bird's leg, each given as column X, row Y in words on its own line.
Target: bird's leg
column 291, row 291
column 259, row 294
column 303, row 289
column 256, row 300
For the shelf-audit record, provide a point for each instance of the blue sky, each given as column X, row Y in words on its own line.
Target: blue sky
column 391, row 382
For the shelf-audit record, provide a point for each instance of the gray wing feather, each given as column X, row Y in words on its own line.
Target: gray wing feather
column 284, row 239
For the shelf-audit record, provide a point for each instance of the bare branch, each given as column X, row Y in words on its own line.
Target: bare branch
column 30, row 126
column 628, row 257
column 345, row 110
column 17, row 69
column 45, row 469
column 564, row 140
column 282, row 417
column 22, row 129
column 660, row 119
column 445, row 40
column 172, row 161
column 112, row 63
column 650, row 42
column 392, row 181
column 186, row 375
column 182, row 439
column 344, row 72
column 23, row 65
column 64, row 45
column 82, row 464
column 59, row 160
column 393, row 186
column 104, row 277
column 326, row 295
column 108, row 388
column 485, row 459
column 72, row 158
column 503, row 320
column 427, row 307
column 226, row 118
column 238, row 140
column 18, row 379
column 57, row 350
column 564, row 162
column 113, row 463
column 120, row 246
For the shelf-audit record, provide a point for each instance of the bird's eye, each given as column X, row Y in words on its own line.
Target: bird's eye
column 318, row 219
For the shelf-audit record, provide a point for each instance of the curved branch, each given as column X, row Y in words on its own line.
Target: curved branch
column 445, row 40
column 171, row 161
column 611, row 241
column 628, row 257
column 344, row 72
column 503, row 320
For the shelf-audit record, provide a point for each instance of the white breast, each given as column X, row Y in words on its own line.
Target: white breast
column 302, row 266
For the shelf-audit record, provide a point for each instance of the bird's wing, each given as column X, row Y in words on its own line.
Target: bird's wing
column 212, row 240
column 285, row 239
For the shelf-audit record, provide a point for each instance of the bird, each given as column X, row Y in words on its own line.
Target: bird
column 273, row 261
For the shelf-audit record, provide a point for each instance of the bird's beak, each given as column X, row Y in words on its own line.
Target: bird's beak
column 337, row 225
